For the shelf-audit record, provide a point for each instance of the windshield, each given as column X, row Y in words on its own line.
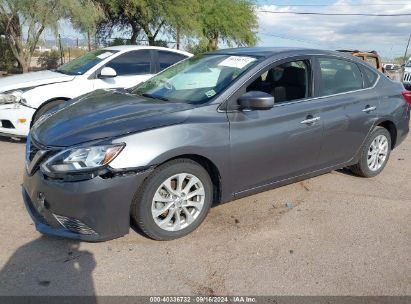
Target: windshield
column 195, row 80
column 408, row 64
column 84, row 63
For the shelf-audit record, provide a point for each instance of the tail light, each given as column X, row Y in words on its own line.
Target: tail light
column 407, row 96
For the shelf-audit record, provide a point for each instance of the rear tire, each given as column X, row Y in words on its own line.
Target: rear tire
column 173, row 201
column 375, row 153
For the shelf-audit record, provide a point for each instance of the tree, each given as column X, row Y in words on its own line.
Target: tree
column 49, row 60
column 119, row 16
column 147, row 17
column 233, row 22
column 7, row 60
column 25, row 20
column 210, row 22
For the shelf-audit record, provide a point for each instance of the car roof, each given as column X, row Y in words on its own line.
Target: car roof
column 126, row 48
column 267, row 52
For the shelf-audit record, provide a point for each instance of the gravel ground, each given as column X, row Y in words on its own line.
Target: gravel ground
column 344, row 236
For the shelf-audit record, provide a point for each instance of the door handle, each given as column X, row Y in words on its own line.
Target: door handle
column 311, row 120
column 369, row 109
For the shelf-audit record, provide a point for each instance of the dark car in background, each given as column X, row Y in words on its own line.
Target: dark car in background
column 211, row 129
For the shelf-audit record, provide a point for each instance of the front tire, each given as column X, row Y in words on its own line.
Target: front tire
column 374, row 153
column 173, row 201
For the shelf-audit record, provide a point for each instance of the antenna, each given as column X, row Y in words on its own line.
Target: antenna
column 406, row 50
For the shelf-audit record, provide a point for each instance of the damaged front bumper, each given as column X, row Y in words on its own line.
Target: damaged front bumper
column 96, row 209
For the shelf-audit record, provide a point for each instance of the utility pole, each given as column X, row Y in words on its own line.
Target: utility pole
column 61, row 51
column 406, row 50
column 89, row 41
column 178, row 38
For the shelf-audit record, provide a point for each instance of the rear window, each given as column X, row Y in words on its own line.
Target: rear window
column 166, row 59
column 370, row 77
column 339, row 76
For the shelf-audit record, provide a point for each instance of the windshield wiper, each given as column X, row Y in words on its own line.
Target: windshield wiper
column 154, row 96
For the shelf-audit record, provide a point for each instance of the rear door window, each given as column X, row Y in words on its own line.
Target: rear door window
column 338, row 76
column 166, row 59
column 370, row 77
column 132, row 63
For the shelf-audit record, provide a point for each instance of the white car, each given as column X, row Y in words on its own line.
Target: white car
column 24, row 98
column 407, row 75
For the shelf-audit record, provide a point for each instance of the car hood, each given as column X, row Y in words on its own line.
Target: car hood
column 106, row 114
column 32, row 79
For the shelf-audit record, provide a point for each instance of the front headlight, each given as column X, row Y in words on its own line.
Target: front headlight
column 81, row 159
column 12, row 97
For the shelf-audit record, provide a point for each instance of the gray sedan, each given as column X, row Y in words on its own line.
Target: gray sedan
column 210, row 129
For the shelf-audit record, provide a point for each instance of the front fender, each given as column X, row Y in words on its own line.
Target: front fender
column 207, row 137
column 37, row 96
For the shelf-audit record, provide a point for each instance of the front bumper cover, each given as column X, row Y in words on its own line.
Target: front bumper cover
column 12, row 113
column 97, row 209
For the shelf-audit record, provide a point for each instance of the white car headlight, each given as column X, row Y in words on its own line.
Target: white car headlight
column 12, row 97
column 78, row 160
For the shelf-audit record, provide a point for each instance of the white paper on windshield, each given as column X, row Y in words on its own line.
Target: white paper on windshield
column 236, row 61
column 104, row 55
column 210, row 93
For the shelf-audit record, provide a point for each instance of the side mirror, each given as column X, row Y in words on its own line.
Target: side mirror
column 256, row 100
column 107, row 72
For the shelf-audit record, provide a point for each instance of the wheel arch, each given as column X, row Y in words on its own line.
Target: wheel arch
column 211, row 169
column 45, row 103
column 391, row 128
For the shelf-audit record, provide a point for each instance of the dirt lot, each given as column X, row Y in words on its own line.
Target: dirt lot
column 344, row 236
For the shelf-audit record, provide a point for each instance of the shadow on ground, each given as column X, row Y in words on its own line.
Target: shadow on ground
column 49, row 266
column 12, row 140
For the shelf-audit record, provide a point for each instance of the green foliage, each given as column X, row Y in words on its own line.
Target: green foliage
column 146, row 17
column 35, row 16
column 7, row 60
column 161, row 43
column 199, row 47
column 49, row 60
column 401, row 60
column 233, row 22
column 118, row 41
column 209, row 23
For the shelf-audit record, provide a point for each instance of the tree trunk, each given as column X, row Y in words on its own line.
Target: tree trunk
column 25, row 68
column 178, row 38
column 89, row 41
column 135, row 30
column 213, row 43
column 150, row 36
column 151, row 40
column 133, row 38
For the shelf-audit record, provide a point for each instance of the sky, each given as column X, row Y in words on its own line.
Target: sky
column 387, row 35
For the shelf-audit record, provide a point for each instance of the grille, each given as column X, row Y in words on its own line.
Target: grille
column 74, row 225
column 33, row 149
column 34, row 156
column 407, row 77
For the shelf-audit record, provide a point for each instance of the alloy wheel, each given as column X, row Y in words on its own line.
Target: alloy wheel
column 377, row 153
column 178, row 202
